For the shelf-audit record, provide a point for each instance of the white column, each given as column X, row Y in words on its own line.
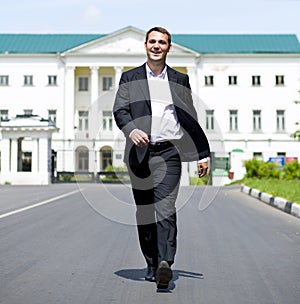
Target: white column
column 93, row 160
column 118, row 73
column 94, row 83
column 69, row 156
column 43, row 160
column 185, row 179
column 69, row 103
column 93, row 109
column 193, row 79
column 69, row 110
column 14, row 155
column 5, row 155
column 35, row 155
column 97, row 151
column 194, row 82
column 199, row 76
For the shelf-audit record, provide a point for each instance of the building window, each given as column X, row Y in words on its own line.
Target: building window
column 107, row 83
column 232, row 80
column 210, row 120
column 105, row 157
column 258, row 155
column 52, row 80
column 83, row 84
column 256, row 120
column 279, row 80
column 107, row 121
column 28, row 80
column 280, row 121
column 4, row 80
column 256, row 80
column 209, row 80
column 82, row 157
column 281, row 154
column 233, row 120
column 52, row 116
column 83, row 124
column 118, row 156
column 28, row 112
column 3, row 115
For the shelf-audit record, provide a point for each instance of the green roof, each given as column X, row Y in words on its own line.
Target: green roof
column 201, row 43
column 237, row 44
column 42, row 43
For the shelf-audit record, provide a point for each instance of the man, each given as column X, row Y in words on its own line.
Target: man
column 154, row 109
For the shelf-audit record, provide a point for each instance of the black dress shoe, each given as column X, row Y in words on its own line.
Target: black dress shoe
column 164, row 275
column 151, row 274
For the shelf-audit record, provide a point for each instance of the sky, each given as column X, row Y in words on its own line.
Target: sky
column 178, row 16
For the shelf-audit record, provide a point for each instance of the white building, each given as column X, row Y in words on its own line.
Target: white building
column 26, row 150
column 244, row 88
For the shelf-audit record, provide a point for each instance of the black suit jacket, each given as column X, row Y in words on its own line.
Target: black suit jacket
column 132, row 109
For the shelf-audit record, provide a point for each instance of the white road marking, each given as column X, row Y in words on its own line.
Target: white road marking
column 38, row 204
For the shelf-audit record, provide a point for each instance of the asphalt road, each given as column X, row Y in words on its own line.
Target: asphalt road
column 76, row 244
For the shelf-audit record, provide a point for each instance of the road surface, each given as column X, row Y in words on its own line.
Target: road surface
column 77, row 244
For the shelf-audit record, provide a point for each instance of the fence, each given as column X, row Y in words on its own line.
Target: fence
column 91, row 177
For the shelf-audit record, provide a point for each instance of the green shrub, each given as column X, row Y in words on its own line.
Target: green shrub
column 111, row 168
column 114, row 177
column 66, row 177
column 268, row 170
column 259, row 169
column 252, row 167
column 291, row 171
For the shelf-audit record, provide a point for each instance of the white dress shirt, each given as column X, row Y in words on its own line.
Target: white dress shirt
column 165, row 125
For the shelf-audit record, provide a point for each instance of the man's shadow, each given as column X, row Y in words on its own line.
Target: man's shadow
column 139, row 275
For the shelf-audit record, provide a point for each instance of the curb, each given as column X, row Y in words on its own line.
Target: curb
column 277, row 202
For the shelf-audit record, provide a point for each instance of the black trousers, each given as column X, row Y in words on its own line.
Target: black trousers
column 155, row 186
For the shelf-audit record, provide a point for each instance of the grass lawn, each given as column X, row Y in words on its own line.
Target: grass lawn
column 289, row 190
column 196, row 181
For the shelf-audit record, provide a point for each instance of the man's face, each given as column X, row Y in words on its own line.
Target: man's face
column 157, row 46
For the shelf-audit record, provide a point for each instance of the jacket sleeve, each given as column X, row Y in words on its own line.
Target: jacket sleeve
column 189, row 99
column 121, row 108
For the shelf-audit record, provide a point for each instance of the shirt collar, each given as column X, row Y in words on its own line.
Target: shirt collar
column 150, row 74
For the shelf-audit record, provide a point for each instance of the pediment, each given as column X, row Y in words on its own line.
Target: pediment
column 129, row 41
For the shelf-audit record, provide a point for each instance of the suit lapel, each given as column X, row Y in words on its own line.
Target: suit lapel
column 173, row 83
column 141, row 77
column 172, row 75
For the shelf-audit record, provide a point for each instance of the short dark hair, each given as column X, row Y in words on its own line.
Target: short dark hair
column 161, row 30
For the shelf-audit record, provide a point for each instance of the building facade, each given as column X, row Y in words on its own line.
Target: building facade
column 244, row 88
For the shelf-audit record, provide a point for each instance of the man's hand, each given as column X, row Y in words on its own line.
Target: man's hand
column 139, row 137
column 202, row 169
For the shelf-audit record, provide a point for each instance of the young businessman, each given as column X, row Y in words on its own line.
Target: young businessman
column 154, row 109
